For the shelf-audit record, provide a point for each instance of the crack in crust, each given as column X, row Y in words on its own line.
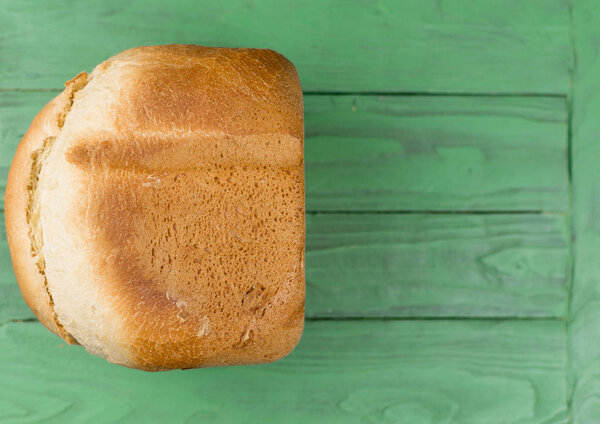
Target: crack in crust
column 38, row 157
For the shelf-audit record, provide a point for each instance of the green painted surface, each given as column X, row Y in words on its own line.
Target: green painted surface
column 436, row 153
column 436, row 265
column 484, row 46
column 585, row 304
column 342, row 372
column 421, row 206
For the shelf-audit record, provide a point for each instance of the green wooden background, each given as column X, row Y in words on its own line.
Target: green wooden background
column 453, row 224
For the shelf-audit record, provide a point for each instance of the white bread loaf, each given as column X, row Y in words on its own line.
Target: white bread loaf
column 155, row 208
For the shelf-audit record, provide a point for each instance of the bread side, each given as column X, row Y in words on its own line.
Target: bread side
column 23, row 208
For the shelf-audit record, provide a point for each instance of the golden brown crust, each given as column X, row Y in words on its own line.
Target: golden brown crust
column 220, row 276
column 233, row 91
column 194, row 212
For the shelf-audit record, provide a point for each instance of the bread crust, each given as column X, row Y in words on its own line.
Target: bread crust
column 31, row 281
column 172, row 208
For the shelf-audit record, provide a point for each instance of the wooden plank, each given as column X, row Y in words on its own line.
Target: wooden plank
column 436, row 153
column 391, row 265
column 584, row 322
column 406, row 152
column 437, row 266
column 482, row 46
column 342, row 372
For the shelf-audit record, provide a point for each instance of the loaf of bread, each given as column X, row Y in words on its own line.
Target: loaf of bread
column 155, row 208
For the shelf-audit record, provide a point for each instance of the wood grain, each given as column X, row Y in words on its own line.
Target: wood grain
column 372, row 265
column 367, row 153
column 460, row 46
column 436, row 153
column 342, row 372
column 585, row 305
column 437, row 265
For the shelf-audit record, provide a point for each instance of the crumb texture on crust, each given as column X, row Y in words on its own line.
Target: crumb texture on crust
column 172, row 209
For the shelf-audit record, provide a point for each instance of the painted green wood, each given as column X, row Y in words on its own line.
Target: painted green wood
column 406, row 152
column 365, row 153
column 585, row 305
column 514, row 46
column 342, row 372
column 372, row 265
column 436, row 265
column 436, row 153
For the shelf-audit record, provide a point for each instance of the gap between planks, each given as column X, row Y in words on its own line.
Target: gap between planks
column 436, row 212
column 430, row 94
column 571, row 370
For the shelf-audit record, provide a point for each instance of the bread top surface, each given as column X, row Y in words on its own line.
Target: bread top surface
column 172, row 208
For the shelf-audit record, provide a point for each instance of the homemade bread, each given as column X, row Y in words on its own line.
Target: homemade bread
column 155, row 208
